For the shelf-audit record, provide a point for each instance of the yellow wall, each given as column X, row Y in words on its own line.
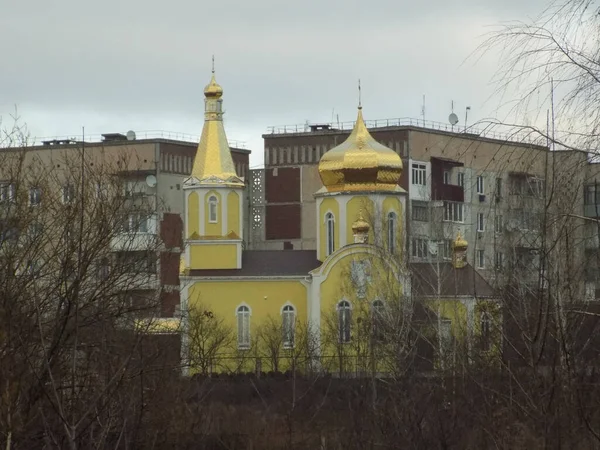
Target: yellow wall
column 193, row 214
column 233, row 213
column 328, row 204
column 213, row 256
column 212, row 229
column 353, row 208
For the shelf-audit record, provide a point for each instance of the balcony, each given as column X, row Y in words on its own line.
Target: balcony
column 130, row 242
column 447, row 192
column 441, row 172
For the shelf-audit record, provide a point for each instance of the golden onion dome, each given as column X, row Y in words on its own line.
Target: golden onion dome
column 213, row 89
column 360, row 225
column 460, row 243
column 360, row 163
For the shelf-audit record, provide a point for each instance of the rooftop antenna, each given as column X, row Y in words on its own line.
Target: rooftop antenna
column 423, row 110
column 359, row 96
column 467, row 109
column 213, row 64
column 452, row 118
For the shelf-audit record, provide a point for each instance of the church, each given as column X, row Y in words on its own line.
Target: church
column 359, row 269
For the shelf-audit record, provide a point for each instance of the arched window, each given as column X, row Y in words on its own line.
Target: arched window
column 288, row 324
column 392, row 229
column 486, row 328
column 377, row 312
column 344, row 321
column 212, row 209
column 243, row 324
column 330, row 225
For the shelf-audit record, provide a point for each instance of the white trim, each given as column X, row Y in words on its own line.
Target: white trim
column 201, row 212
column 288, row 303
column 224, row 213
column 240, row 305
column 343, row 207
column 212, row 241
column 209, row 202
column 326, row 222
column 279, row 278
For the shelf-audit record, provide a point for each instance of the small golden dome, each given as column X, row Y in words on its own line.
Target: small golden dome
column 213, row 89
column 360, row 163
column 460, row 243
column 360, row 225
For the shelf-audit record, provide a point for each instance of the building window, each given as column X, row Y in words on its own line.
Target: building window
column 35, row 196
column 454, row 212
column 480, row 185
column 498, row 224
column 419, row 174
column 378, row 320
column 498, row 188
column 499, row 260
column 480, row 259
column 447, row 249
column 136, row 223
column 330, row 225
column 419, row 248
column 420, row 211
column 212, row 209
column 392, row 232
column 486, row 331
column 7, row 192
column 460, row 180
column 68, row 193
column 344, row 321
column 243, row 325
column 103, row 269
column 446, row 177
column 445, row 336
column 480, row 222
column 289, row 323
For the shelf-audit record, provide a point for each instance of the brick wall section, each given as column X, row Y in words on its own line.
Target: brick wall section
column 283, row 221
column 169, row 268
column 282, row 185
column 168, row 302
column 171, row 230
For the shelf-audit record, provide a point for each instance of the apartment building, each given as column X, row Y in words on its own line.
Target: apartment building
column 492, row 188
column 150, row 171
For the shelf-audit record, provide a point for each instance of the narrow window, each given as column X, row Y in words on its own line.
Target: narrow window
column 35, row 196
column 480, row 259
column 243, row 324
column 419, row 174
column 289, row 323
column 7, row 192
column 330, row 224
column 378, row 320
column 212, row 209
column 446, row 177
column 68, row 193
column 461, row 179
column 480, row 222
column 498, row 224
column 480, row 185
column 344, row 321
column 392, row 232
column 499, row 260
column 498, row 188
column 485, row 324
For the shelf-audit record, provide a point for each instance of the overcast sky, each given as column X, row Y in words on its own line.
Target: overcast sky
column 115, row 65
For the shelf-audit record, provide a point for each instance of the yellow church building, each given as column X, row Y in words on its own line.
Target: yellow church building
column 358, row 274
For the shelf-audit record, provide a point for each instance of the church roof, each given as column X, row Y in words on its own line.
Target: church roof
column 454, row 282
column 256, row 263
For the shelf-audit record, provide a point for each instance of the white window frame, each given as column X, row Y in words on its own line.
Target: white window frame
column 68, row 193
column 480, row 185
column 460, row 179
column 243, row 314
column 392, row 230
column 288, row 325
column 344, row 312
column 499, row 260
column 419, row 174
column 213, row 209
column 419, row 247
column 329, row 233
column 480, row 222
column 419, row 206
column 7, row 192
column 454, row 212
column 446, row 177
column 35, row 196
column 498, row 223
column 480, row 259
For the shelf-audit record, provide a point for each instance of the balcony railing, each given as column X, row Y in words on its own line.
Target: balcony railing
column 448, row 192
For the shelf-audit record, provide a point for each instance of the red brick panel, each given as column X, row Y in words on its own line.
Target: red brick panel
column 283, row 222
column 282, row 185
column 403, row 182
column 171, row 230
column 168, row 302
column 169, row 268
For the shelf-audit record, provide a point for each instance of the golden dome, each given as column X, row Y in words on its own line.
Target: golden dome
column 213, row 89
column 360, row 225
column 460, row 243
column 360, row 163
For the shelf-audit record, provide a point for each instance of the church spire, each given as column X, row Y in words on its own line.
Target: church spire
column 213, row 163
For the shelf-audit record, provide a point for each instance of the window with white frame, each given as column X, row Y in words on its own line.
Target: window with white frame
column 392, row 229
column 486, row 331
column 344, row 321
column 454, row 212
column 7, row 192
column 446, row 177
column 498, row 188
column 499, row 260
column 480, row 259
column 136, row 223
column 420, row 211
column 330, row 228
column 480, row 222
column 480, row 185
column 498, row 224
column 419, row 174
column 460, row 179
column 419, row 248
column 212, row 209
column 35, row 196
column 288, row 316
column 68, row 193
column 243, row 327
